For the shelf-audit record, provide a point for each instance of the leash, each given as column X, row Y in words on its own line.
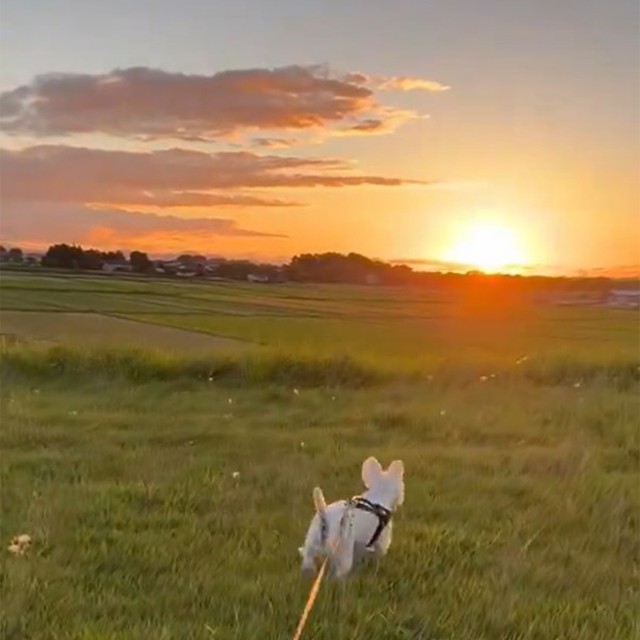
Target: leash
column 311, row 598
column 383, row 514
column 315, row 587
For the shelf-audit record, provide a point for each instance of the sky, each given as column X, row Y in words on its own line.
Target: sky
column 501, row 134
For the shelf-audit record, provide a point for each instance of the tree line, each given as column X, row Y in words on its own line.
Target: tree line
column 329, row 267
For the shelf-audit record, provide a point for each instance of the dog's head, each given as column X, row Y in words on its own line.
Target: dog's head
column 389, row 483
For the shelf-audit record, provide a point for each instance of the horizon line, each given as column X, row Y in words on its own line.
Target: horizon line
column 430, row 266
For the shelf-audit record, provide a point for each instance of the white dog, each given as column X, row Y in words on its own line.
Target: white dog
column 346, row 529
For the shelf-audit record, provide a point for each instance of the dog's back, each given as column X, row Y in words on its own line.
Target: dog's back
column 345, row 529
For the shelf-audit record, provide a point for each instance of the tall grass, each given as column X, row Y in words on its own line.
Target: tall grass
column 272, row 367
column 167, row 493
column 169, row 511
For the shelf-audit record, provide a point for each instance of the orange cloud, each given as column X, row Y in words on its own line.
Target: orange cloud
column 274, row 143
column 387, row 123
column 169, row 178
column 40, row 224
column 407, row 83
column 397, row 83
column 146, row 103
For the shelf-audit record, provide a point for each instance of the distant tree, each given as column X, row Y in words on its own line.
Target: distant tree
column 114, row 257
column 191, row 260
column 236, row 269
column 62, row 256
column 15, row 254
column 140, row 261
column 91, row 259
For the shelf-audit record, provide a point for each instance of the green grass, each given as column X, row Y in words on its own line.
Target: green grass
column 386, row 328
column 522, row 506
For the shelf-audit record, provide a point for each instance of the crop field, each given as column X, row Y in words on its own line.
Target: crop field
column 160, row 440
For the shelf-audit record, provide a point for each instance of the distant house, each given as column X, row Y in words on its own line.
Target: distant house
column 33, row 259
column 272, row 275
column 572, row 298
column 169, row 267
column 624, row 298
column 258, row 277
column 113, row 267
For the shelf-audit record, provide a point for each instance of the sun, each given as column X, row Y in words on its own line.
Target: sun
column 488, row 246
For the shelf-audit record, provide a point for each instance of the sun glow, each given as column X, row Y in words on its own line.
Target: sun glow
column 488, row 246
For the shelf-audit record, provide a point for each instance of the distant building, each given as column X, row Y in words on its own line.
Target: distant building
column 624, row 298
column 257, row 277
column 33, row 259
column 168, row 267
column 572, row 298
column 113, row 267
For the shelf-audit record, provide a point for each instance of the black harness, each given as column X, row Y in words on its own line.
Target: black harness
column 358, row 502
column 382, row 513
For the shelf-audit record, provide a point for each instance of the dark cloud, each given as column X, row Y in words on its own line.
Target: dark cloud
column 169, row 178
column 274, row 143
column 45, row 223
column 631, row 271
column 426, row 264
column 151, row 103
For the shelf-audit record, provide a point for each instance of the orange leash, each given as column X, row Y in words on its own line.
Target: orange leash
column 313, row 594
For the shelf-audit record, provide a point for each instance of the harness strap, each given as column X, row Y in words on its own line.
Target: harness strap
column 382, row 513
column 324, row 528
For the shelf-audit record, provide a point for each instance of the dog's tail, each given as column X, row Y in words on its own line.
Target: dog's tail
column 319, row 501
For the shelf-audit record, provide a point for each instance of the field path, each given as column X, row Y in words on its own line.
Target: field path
column 94, row 329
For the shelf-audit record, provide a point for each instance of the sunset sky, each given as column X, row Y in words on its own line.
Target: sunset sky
column 448, row 134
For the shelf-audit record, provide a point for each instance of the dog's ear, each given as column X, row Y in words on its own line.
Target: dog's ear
column 371, row 472
column 396, row 468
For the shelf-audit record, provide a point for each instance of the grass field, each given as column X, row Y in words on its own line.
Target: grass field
column 167, row 493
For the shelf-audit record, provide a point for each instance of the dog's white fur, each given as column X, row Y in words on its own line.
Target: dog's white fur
column 348, row 530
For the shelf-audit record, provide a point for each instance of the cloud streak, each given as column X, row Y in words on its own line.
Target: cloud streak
column 170, row 178
column 141, row 102
column 40, row 224
column 397, row 83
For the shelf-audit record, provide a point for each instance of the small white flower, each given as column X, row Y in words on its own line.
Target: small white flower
column 20, row 544
column 578, row 384
column 210, row 378
column 333, row 397
column 230, row 400
column 492, row 375
column 296, row 392
column 73, row 413
column 483, row 378
column 443, row 412
column 36, row 391
column 235, row 475
column 302, row 445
